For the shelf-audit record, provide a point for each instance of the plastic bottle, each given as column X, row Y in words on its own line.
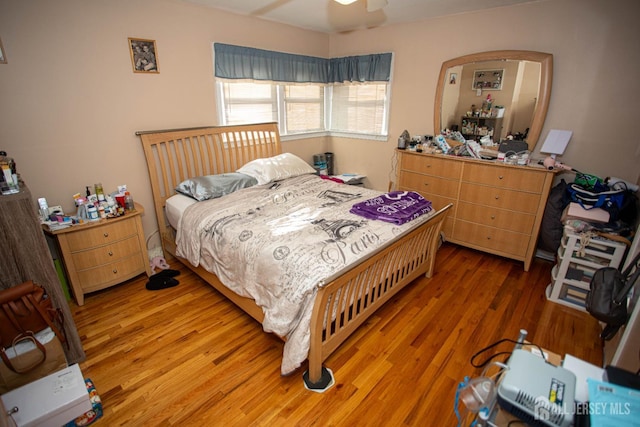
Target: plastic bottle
column 92, row 213
column 99, row 192
column 44, row 208
column 128, row 201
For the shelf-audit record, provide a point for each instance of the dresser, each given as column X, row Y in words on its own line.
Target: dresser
column 103, row 253
column 497, row 208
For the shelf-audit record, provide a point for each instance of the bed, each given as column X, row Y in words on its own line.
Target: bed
column 341, row 299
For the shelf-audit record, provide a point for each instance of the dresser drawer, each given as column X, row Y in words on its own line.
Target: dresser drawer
column 102, row 235
column 427, row 184
column 494, row 217
column 105, row 254
column 493, row 239
column 431, row 165
column 97, row 278
column 504, row 177
column 499, row 198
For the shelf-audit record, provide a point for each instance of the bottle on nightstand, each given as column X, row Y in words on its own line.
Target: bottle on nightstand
column 128, row 201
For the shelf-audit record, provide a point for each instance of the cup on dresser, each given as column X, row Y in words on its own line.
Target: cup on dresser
column 120, row 200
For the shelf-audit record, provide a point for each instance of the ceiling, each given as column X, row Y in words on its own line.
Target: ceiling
column 329, row 16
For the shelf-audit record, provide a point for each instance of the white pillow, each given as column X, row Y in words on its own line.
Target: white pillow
column 276, row 168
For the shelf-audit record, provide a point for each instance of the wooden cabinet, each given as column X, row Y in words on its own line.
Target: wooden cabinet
column 498, row 208
column 103, row 253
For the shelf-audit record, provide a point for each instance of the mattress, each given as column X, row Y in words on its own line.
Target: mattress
column 175, row 207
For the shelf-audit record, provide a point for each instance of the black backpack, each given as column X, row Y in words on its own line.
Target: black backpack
column 607, row 297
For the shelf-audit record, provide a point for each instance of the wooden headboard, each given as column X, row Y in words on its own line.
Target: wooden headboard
column 174, row 155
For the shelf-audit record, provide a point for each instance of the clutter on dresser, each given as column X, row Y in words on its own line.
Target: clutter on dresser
column 95, row 205
column 9, row 180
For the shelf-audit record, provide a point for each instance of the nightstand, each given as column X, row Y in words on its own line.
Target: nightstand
column 103, row 253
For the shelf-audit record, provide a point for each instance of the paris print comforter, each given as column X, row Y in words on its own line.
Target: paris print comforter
column 277, row 243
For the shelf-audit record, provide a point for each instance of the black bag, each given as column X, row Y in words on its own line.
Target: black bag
column 607, row 297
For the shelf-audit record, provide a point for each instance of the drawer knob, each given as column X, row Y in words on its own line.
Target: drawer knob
column 115, row 271
column 426, row 183
column 110, row 253
column 106, row 234
column 493, row 217
column 500, row 177
column 497, row 197
column 488, row 237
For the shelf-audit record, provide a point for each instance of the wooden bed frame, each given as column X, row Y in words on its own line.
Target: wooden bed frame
column 175, row 155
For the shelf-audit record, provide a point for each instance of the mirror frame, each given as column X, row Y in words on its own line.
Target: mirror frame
column 544, row 94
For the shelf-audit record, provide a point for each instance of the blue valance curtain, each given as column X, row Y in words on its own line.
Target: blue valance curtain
column 238, row 62
column 362, row 68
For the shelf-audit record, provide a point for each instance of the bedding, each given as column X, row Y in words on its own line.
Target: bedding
column 282, row 166
column 214, row 186
column 278, row 242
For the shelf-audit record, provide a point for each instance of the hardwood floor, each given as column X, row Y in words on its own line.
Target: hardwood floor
column 186, row 355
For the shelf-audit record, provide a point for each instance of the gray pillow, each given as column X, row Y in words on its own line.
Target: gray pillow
column 213, row 186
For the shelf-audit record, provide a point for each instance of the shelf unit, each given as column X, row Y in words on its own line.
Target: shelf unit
column 571, row 276
column 477, row 127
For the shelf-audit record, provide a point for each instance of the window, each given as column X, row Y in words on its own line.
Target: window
column 298, row 109
column 243, row 102
column 303, row 109
column 354, row 108
column 360, row 108
column 304, row 94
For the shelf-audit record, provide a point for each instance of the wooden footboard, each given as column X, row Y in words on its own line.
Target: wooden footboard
column 345, row 303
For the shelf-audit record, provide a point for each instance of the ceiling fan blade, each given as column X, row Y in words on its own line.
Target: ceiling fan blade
column 373, row 5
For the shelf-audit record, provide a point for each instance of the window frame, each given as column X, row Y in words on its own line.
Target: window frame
column 280, row 103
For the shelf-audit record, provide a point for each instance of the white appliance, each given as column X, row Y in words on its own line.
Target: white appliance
column 537, row 392
column 50, row 401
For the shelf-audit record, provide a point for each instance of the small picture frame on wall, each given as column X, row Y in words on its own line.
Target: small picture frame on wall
column 487, row 79
column 144, row 55
column 3, row 55
column 453, row 78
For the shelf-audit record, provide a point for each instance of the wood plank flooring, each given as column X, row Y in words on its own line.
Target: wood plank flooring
column 187, row 356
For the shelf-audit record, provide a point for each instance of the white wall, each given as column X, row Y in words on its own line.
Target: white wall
column 70, row 103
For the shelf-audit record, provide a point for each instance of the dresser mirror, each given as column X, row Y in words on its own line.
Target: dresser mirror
column 518, row 84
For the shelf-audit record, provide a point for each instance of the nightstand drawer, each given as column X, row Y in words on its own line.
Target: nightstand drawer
column 101, row 277
column 102, row 235
column 91, row 258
